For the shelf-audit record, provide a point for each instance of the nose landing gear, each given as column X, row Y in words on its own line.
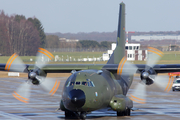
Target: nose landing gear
column 81, row 115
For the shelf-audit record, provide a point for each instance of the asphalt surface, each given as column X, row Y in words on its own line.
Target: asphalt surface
column 160, row 105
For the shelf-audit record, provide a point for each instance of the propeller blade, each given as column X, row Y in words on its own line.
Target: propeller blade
column 164, row 82
column 126, row 68
column 148, row 76
column 139, row 94
column 48, row 84
column 14, row 63
column 153, row 57
column 43, row 57
column 23, row 92
column 129, row 69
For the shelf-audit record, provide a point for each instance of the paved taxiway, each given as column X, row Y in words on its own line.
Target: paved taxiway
column 160, row 105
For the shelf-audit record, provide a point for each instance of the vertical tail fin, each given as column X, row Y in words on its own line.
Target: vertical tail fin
column 119, row 52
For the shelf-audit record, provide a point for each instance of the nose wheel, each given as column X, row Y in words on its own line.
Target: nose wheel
column 69, row 114
column 83, row 115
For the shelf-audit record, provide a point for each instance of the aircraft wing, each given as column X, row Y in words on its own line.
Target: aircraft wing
column 51, row 68
column 159, row 68
column 67, row 68
column 162, row 68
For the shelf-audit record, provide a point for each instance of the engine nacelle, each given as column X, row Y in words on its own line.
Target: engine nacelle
column 148, row 76
column 120, row 103
column 36, row 76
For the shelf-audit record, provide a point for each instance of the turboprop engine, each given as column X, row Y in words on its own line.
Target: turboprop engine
column 148, row 76
column 121, row 104
column 36, row 76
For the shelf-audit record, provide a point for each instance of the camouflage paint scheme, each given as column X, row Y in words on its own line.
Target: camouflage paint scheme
column 110, row 88
column 95, row 86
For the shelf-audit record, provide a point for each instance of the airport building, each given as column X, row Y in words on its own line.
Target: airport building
column 154, row 37
column 132, row 52
column 68, row 40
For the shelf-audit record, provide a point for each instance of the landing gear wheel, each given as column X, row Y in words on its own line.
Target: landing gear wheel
column 119, row 113
column 82, row 115
column 69, row 114
column 128, row 112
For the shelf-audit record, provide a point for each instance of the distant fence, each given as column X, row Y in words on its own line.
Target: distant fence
column 77, row 49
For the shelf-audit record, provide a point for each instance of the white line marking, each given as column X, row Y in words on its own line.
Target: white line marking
column 12, row 116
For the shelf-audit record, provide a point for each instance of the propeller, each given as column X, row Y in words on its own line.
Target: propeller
column 148, row 75
column 36, row 76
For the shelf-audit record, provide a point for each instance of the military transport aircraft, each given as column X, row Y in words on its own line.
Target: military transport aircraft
column 95, row 86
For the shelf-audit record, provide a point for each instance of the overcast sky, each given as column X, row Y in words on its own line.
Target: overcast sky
column 98, row 15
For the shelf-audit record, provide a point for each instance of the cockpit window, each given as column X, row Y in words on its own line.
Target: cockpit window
column 84, row 83
column 89, row 84
column 68, row 84
column 72, row 83
column 92, row 84
column 78, row 83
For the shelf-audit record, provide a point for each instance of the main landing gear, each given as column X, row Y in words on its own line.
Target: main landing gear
column 127, row 112
column 81, row 115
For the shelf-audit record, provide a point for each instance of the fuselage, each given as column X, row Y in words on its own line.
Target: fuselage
column 89, row 90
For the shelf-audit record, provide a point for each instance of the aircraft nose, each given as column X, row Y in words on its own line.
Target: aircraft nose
column 77, row 97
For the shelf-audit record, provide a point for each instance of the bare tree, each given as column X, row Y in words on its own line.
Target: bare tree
column 18, row 36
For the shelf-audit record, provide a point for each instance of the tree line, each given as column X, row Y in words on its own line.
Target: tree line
column 52, row 41
column 24, row 36
column 96, row 36
column 20, row 35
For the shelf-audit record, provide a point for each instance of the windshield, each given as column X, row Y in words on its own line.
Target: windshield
column 84, row 83
column 71, row 82
column 177, row 81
